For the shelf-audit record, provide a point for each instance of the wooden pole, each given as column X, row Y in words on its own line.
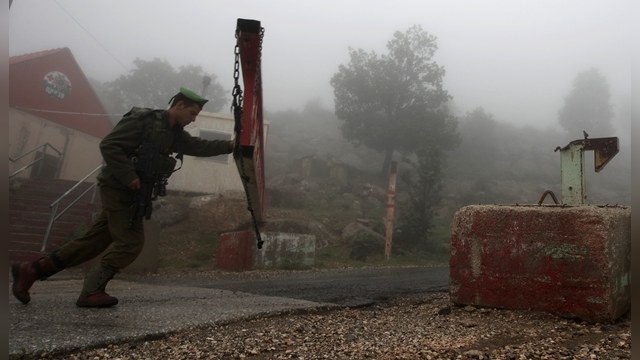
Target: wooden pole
column 391, row 204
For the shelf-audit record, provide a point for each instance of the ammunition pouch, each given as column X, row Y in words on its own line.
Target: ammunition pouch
column 166, row 164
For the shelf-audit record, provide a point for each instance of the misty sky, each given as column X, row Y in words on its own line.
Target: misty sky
column 515, row 58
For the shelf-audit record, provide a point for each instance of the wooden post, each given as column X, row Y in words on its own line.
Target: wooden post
column 391, row 204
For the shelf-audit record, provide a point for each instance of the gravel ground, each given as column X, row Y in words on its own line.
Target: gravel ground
column 426, row 327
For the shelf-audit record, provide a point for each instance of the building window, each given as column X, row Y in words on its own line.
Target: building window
column 216, row 135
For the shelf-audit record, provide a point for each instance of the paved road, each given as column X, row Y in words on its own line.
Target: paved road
column 346, row 287
column 151, row 306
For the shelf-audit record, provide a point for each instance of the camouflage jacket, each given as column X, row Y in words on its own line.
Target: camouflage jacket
column 146, row 125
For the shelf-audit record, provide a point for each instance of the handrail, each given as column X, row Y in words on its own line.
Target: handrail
column 35, row 149
column 54, row 205
column 43, row 146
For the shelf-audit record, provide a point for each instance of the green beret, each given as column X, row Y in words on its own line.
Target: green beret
column 191, row 95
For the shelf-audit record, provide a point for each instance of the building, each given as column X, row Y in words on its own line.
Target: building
column 56, row 123
column 208, row 175
column 55, row 117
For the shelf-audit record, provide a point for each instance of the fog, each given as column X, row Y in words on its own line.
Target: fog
column 516, row 59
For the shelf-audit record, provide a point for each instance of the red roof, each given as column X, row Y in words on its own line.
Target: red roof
column 50, row 84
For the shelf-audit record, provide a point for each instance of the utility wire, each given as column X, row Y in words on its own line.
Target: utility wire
column 93, row 37
column 63, row 112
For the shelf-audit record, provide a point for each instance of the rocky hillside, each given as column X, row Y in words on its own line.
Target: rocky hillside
column 341, row 214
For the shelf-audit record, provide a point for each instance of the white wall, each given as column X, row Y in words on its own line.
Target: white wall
column 202, row 175
column 208, row 175
column 26, row 132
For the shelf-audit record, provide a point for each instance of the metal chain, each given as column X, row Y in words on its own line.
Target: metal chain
column 237, row 112
column 236, row 93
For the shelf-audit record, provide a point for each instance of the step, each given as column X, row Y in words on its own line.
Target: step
column 71, row 213
column 27, row 224
column 55, row 234
column 30, row 213
column 16, row 216
column 45, row 183
column 62, row 229
column 47, row 200
column 20, row 239
column 35, row 248
column 54, row 190
column 26, row 245
column 18, row 256
column 50, row 195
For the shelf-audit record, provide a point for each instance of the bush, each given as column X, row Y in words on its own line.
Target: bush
column 362, row 246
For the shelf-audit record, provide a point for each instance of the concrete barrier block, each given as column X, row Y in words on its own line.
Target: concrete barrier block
column 286, row 250
column 571, row 261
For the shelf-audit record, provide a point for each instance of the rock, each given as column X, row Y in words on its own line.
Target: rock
column 474, row 354
column 356, row 230
column 199, row 202
column 167, row 213
column 445, row 311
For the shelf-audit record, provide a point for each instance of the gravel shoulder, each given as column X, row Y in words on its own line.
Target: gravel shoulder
column 416, row 327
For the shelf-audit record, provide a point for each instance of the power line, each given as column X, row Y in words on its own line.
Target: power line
column 93, row 37
column 63, row 112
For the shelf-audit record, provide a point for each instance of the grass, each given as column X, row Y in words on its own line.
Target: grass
column 339, row 256
column 192, row 243
column 183, row 248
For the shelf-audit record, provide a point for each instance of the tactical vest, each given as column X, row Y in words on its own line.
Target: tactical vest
column 155, row 131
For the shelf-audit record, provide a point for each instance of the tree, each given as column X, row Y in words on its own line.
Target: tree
column 395, row 101
column 587, row 107
column 423, row 181
column 153, row 83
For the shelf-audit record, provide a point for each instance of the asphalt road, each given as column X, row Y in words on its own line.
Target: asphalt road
column 345, row 287
column 154, row 305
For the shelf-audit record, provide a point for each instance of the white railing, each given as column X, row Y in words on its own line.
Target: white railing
column 37, row 160
column 55, row 204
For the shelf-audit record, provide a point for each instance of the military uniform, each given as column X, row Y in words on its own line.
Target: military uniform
column 113, row 227
column 140, row 125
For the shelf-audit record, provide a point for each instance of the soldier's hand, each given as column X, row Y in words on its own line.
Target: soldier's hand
column 135, row 184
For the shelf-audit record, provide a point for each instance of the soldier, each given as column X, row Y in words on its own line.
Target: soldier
column 120, row 189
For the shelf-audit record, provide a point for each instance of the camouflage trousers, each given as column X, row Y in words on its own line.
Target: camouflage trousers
column 111, row 232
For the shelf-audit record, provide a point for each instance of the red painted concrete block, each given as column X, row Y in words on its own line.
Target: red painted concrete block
column 571, row 261
column 235, row 250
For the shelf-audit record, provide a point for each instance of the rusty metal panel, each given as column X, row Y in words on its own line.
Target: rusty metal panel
column 572, row 165
column 235, row 251
column 604, row 149
column 572, row 261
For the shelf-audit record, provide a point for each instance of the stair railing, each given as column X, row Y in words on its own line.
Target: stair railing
column 36, row 161
column 55, row 215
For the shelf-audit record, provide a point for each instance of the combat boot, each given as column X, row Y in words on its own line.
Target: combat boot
column 97, row 299
column 26, row 273
column 93, row 291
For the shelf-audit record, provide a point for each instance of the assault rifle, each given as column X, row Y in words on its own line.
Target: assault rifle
column 152, row 182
